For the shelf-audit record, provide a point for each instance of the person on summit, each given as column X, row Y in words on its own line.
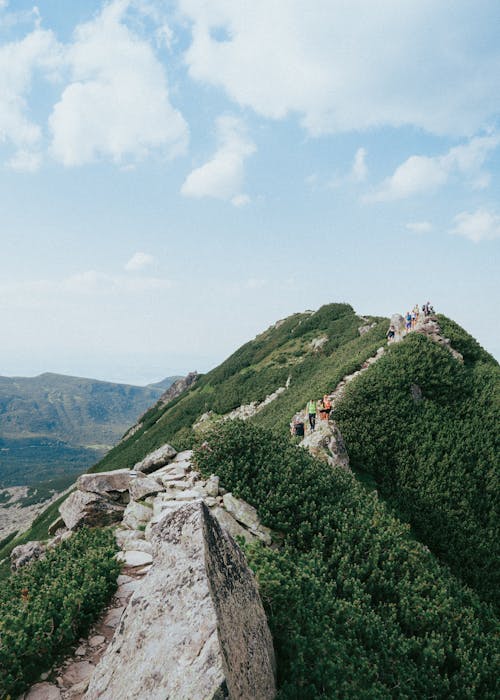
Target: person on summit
column 311, row 412
column 408, row 321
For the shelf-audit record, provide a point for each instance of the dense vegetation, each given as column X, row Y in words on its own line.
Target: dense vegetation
column 257, row 369
column 48, row 605
column 426, row 428
column 357, row 607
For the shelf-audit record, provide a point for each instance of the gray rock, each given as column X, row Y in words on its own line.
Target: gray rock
column 138, row 546
column 85, row 508
column 110, row 484
column 26, row 554
column 77, row 672
column 195, row 629
column 55, row 525
column 134, row 558
column 136, row 515
column 43, row 691
column 231, row 525
column 156, row 459
column 243, row 512
column 212, row 486
column 184, row 456
column 143, row 486
column 123, row 537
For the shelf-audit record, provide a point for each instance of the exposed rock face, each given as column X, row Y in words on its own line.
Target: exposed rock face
column 196, row 627
column 85, row 508
column 177, row 388
column 398, row 322
column 26, row 554
column 110, row 484
column 156, row 459
column 246, row 514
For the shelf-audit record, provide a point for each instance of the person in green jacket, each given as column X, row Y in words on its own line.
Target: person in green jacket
column 311, row 412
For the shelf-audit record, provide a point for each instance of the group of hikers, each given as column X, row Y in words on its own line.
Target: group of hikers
column 323, row 407
column 411, row 318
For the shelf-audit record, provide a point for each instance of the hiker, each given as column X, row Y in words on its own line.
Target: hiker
column 391, row 333
column 414, row 314
column 408, row 321
column 327, row 406
column 311, row 412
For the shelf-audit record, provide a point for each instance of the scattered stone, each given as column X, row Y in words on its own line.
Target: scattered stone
column 212, row 486
column 143, row 486
column 155, row 460
column 231, row 525
column 211, row 639
column 97, row 640
column 77, row 672
column 77, row 691
column 184, row 456
column 43, row 691
column 134, row 558
column 81, row 651
column 138, row 546
column 85, row 508
column 110, row 484
column 243, row 512
column 112, row 618
column 136, row 515
column 123, row 537
column 26, row 554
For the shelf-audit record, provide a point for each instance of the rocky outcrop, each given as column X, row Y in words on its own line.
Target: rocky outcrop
column 85, row 508
column 112, row 484
column 195, row 628
column 429, row 326
column 26, row 554
column 178, row 388
column 156, row 459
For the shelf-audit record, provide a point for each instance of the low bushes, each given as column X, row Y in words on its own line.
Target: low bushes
column 426, row 428
column 47, row 606
column 357, row 608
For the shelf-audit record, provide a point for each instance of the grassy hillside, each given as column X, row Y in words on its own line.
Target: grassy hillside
column 426, row 428
column 257, row 369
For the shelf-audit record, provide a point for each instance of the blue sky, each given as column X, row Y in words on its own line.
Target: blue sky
column 176, row 176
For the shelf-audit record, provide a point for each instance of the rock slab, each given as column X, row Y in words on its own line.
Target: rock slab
column 86, row 508
column 196, row 627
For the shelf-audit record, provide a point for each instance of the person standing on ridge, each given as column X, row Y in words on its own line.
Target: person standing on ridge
column 327, row 406
column 311, row 412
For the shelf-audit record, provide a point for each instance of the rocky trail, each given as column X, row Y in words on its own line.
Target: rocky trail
column 162, row 489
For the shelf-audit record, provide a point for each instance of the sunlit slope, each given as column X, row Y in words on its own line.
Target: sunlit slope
column 258, row 368
column 426, row 428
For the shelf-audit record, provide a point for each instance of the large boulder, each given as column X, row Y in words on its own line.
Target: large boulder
column 156, row 459
column 85, row 508
column 195, row 628
column 136, row 515
column 26, row 554
column 113, row 485
column 142, row 486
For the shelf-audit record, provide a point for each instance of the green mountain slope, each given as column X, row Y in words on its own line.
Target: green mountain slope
column 256, row 370
column 386, row 593
column 54, row 424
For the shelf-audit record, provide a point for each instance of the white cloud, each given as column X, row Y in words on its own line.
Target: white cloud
column 480, row 225
column 139, row 261
column 421, row 174
column 359, row 170
column 222, row 176
column 37, row 51
column 25, row 161
column 117, row 104
column 99, row 283
column 349, row 66
column 419, row 227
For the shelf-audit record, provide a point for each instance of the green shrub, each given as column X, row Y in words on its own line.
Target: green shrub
column 357, row 607
column 426, row 428
column 48, row 605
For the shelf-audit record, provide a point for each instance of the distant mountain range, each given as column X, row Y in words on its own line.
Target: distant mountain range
column 46, row 419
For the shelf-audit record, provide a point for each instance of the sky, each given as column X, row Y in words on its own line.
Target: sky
column 176, row 176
